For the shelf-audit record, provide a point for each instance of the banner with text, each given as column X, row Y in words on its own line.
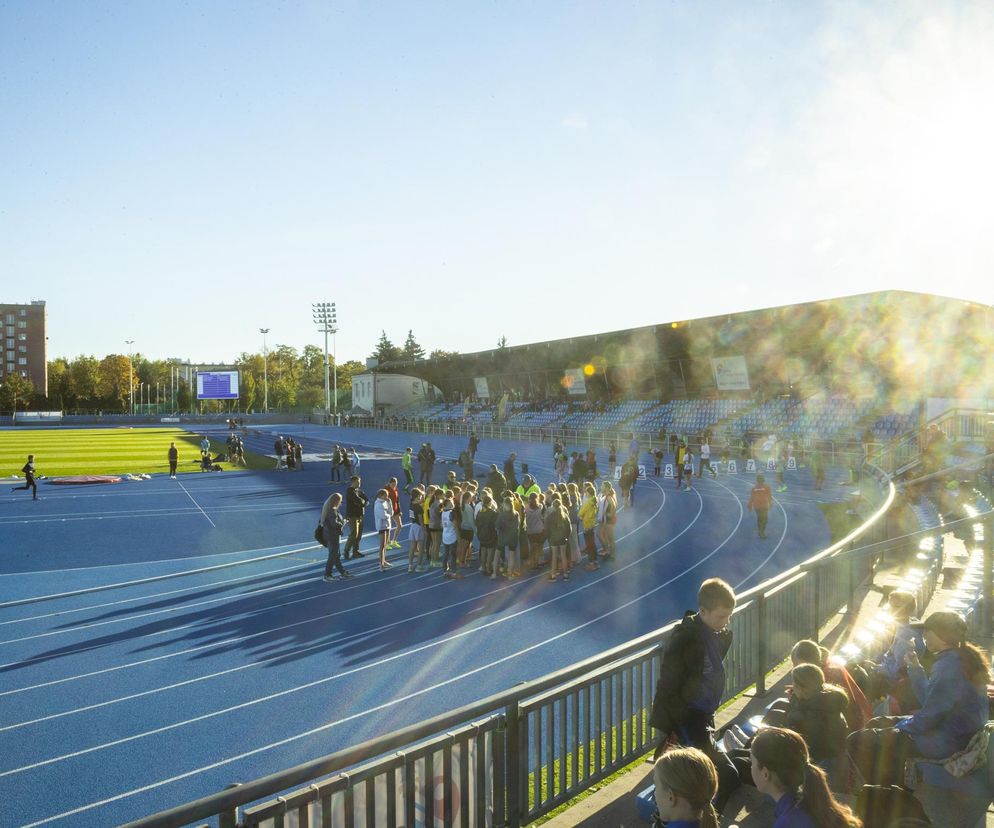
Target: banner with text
column 730, row 373
column 575, row 381
column 482, row 388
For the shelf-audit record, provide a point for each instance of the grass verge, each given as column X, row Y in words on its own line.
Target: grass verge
column 75, row 451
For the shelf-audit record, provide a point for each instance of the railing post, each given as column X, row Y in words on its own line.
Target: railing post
column 988, row 583
column 515, row 767
column 815, row 576
column 761, row 656
column 229, row 819
column 851, row 609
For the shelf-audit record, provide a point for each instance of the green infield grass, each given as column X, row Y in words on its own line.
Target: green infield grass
column 60, row 452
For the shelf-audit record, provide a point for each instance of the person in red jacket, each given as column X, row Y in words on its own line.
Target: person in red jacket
column 760, row 500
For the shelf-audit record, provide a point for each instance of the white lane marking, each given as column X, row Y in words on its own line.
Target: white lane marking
column 150, row 563
column 82, row 649
column 385, row 705
column 157, row 595
column 364, row 667
column 151, row 579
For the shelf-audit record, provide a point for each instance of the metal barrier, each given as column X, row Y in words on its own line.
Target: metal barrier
column 846, row 453
column 515, row 756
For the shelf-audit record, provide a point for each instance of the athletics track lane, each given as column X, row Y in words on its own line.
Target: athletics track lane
column 386, row 638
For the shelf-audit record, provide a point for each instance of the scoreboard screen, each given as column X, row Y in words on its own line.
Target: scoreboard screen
column 217, row 385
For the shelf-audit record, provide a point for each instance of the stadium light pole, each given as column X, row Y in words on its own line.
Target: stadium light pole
column 265, row 371
column 326, row 318
column 131, row 375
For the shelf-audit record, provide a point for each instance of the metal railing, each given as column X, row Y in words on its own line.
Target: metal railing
column 907, row 450
column 513, row 757
column 846, row 453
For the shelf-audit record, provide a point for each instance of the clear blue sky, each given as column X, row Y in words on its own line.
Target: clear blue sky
column 181, row 174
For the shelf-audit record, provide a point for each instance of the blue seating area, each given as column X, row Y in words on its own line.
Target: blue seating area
column 828, row 418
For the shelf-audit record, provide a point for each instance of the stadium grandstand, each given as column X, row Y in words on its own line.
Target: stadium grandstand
column 499, row 697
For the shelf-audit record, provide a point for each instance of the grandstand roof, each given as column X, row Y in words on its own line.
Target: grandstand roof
column 875, row 338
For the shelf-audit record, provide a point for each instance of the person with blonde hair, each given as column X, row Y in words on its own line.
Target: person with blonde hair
column 686, row 782
column 609, row 517
column 782, row 769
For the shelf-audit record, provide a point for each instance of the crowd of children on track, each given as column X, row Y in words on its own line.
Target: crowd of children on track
column 823, row 738
column 501, row 526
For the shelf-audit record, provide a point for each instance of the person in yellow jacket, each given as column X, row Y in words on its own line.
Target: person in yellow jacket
column 588, row 519
column 527, row 488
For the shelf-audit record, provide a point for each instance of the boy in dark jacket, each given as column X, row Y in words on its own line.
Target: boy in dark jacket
column 692, row 681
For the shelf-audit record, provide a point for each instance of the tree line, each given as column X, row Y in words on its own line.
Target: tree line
column 85, row 384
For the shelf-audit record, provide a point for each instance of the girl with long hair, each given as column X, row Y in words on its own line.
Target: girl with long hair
column 782, row 769
column 954, row 706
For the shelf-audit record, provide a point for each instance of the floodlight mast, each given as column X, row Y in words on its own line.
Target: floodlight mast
column 131, row 376
column 265, row 371
column 326, row 318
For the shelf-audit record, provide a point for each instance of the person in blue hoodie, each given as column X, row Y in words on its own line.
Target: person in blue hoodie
column 954, row 706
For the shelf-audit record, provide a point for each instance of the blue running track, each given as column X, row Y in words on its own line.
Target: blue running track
column 161, row 639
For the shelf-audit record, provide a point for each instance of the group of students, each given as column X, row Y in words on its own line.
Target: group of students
column 343, row 458
column 289, row 453
column 543, row 528
column 810, row 742
column 556, row 527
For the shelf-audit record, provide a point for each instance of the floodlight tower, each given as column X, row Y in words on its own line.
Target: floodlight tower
column 326, row 318
column 131, row 375
column 265, row 371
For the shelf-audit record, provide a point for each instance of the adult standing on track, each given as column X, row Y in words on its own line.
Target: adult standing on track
column 355, row 505
column 333, row 524
column 760, row 501
column 29, row 478
column 496, row 482
column 277, row 447
column 397, row 522
column 474, row 444
column 173, row 460
column 706, row 460
column 510, row 478
column 405, row 463
column 336, row 464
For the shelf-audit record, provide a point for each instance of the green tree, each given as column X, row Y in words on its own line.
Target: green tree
column 115, row 379
column 385, row 351
column 439, row 353
column 84, row 379
column 16, row 388
column 412, row 350
column 58, row 382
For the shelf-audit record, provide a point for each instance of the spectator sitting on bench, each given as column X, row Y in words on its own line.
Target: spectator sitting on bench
column 858, row 711
column 781, row 769
column 891, row 675
column 817, row 712
column 954, row 706
column 686, row 782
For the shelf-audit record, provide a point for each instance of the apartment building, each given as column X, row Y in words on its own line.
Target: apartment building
column 25, row 343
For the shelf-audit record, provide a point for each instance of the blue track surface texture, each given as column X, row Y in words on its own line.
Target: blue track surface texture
column 161, row 639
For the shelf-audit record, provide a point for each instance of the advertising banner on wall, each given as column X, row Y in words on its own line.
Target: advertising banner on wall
column 482, row 388
column 575, row 381
column 730, row 373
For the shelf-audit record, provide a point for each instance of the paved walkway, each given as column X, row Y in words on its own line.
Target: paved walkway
column 613, row 805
